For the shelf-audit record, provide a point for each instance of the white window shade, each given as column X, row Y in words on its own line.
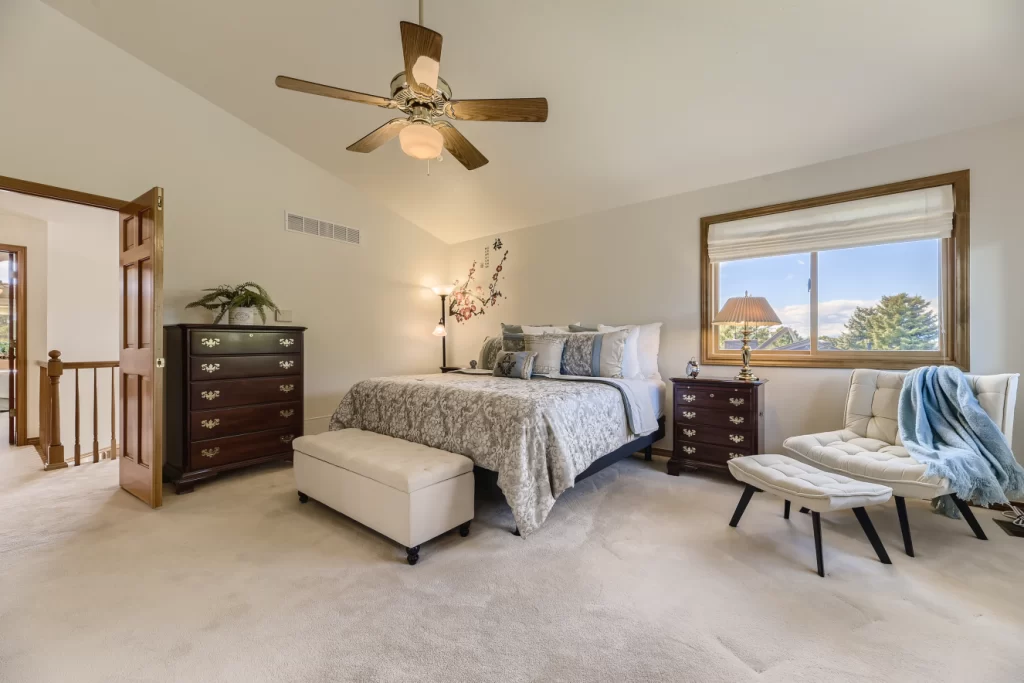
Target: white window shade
column 917, row 215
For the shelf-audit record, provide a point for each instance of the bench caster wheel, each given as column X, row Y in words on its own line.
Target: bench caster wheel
column 303, row 498
column 464, row 530
column 413, row 554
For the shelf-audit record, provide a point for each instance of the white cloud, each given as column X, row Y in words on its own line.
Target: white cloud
column 832, row 316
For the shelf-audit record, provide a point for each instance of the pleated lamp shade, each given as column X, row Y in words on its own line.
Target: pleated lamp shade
column 754, row 311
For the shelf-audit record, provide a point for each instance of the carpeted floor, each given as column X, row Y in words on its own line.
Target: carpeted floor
column 635, row 577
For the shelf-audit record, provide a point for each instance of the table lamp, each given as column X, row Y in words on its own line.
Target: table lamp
column 750, row 312
column 440, row 330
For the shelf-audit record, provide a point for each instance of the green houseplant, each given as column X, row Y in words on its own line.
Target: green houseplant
column 241, row 303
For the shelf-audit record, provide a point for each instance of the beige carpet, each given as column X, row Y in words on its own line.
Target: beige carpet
column 635, row 577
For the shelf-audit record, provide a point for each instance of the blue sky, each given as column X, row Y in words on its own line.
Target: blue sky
column 847, row 278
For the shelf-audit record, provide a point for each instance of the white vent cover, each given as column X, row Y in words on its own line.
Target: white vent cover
column 293, row 222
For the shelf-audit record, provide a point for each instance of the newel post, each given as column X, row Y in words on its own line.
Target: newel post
column 55, row 453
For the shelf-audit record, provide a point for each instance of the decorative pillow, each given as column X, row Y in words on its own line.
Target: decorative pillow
column 648, row 348
column 518, row 329
column 548, row 348
column 489, row 351
column 512, row 342
column 545, row 329
column 630, row 358
column 582, row 328
column 515, row 365
column 594, row 355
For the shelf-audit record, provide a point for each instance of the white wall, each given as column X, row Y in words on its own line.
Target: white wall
column 104, row 122
column 24, row 231
column 641, row 264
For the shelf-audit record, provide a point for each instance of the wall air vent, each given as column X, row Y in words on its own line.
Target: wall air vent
column 293, row 222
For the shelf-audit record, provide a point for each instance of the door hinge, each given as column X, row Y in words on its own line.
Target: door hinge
column 159, row 202
column 160, row 362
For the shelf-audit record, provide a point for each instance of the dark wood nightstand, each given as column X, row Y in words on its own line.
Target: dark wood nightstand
column 714, row 420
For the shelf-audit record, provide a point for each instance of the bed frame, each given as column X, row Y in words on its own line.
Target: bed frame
column 488, row 479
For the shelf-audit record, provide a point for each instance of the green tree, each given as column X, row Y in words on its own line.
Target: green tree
column 760, row 335
column 900, row 322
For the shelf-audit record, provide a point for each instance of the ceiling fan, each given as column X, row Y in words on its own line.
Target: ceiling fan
column 426, row 99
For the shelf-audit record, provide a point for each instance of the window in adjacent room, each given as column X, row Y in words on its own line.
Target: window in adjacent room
column 870, row 278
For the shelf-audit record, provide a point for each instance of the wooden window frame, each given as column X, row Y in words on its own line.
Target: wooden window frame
column 954, row 316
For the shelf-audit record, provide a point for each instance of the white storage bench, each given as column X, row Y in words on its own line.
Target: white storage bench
column 406, row 491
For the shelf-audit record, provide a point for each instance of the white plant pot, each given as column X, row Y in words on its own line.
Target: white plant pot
column 242, row 316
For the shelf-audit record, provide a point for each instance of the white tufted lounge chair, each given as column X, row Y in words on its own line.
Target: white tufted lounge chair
column 869, row 448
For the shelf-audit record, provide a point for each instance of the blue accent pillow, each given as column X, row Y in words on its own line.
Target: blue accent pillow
column 582, row 355
column 514, row 364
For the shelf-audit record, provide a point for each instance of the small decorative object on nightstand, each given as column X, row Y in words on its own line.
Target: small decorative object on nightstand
column 693, row 368
column 715, row 420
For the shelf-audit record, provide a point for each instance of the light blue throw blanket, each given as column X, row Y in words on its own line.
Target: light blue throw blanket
column 943, row 426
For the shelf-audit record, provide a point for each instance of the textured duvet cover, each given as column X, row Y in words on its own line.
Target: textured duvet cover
column 537, row 434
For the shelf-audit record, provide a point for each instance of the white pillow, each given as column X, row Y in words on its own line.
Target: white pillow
column 553, row 329
column 648, row 348
column 630, row 356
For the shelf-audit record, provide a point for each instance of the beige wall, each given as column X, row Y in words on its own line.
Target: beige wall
column 24, row 231
column 104, row 122
column 640, row 264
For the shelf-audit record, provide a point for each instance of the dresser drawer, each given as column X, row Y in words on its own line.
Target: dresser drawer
column 209, row 424
column 231, row 367
column 213, row 343
column 736, row 418
column 725, row 398
column 214, row 452
column 731, row 438
column 691, row 450
column 243, row 392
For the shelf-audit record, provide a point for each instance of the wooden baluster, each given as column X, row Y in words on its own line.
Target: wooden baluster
column 113, row 414
column 78, row 444
column 55, row 453
column 44, row 413
column 95, row 417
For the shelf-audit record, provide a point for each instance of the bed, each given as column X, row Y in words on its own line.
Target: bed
column 540, row 436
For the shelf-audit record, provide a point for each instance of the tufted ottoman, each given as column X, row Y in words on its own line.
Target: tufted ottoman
column 814, row 490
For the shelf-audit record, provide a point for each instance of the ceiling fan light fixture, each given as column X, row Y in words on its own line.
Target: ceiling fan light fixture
column 421, row 141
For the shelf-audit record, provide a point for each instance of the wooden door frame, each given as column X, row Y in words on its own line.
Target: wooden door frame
column 21, row 300
column 20, row 332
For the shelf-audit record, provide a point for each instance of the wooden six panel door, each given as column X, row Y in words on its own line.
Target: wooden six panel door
column 141, row 356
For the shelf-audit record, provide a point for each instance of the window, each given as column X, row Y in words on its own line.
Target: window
column 870, row 278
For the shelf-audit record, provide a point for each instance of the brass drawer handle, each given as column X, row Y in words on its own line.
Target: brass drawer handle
column 737, row 401
column 285, row 342
column 286, row 388
column 689, row 414
column 689, row 398
column 210, row 452
column 286, row 363
column 689, row 450
column 287, row 438
column 690, row 432
column 736, row 438
column 210, row 395
column 735, row 420
column 287, row 413
column 735, row 455
column 210, row 424
column 210, row 342
column 211, row 367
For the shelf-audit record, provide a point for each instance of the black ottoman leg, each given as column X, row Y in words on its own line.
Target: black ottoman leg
column 413, row 554
column 785, row 511
column 816, row 519
column 464, row 530
column 804, row 511
column 965, row 510
column 748, row 493
column 901, row 510
column 869, row 531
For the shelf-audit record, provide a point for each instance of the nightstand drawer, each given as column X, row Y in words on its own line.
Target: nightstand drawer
column 689, row 450
column 730, row 438
column 730, row 419
column 716, row 397
column 232, row 367
column 213, row 342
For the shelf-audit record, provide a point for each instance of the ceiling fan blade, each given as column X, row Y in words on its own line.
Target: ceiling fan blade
column 378, row 137
column 527, row 109
column 422, row 50
column 289, row 83
column 461, row 148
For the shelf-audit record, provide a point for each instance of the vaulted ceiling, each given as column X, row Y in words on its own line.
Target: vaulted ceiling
column 647, row 98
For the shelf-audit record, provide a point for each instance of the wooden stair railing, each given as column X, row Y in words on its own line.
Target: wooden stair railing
column 50, row 447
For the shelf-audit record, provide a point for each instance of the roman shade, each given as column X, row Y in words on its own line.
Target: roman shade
column 901, row 217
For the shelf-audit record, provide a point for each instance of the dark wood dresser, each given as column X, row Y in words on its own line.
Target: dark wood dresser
column 233, row 398
column 714, row 420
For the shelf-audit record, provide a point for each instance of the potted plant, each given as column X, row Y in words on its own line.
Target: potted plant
column 241, row 303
